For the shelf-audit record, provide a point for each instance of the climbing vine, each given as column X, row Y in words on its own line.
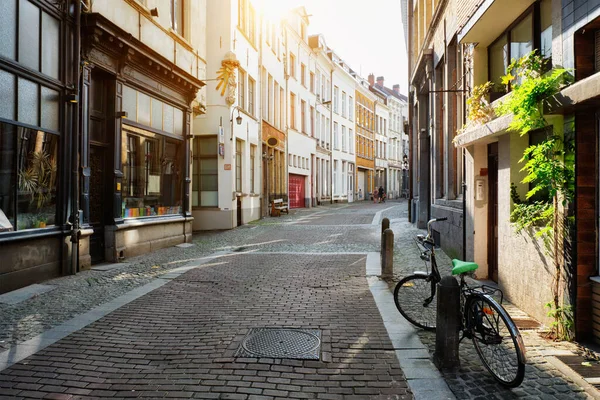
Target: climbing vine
column 549, row 176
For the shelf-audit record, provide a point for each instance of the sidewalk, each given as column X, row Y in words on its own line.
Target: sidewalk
column 545, row 377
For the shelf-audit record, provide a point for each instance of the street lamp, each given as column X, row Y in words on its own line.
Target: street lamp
column 238, row 119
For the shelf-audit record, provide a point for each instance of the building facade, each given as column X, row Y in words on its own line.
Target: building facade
column 343, row 154
column 37, row 132
column 227, row 144
column 456, row 45
column 365, row 139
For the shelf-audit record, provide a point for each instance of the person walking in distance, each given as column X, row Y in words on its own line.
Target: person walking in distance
column 375, row 195
column 381, row 194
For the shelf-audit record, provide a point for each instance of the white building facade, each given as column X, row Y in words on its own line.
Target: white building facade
column 343, row 154
column 226, row 166
column 301, row 102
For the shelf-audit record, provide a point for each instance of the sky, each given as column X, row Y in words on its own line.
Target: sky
column 367, row 34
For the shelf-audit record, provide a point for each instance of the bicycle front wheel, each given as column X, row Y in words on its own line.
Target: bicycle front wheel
column 496, row 339
column 415, row 298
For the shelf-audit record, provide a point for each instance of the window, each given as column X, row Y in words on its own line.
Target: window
column 303, row 74
column 241, row 88
column 546, row 29
column 252, row 162
column 318, row 128
column 343, row 138
column 292, row 67
column 152, row 176
column 343, row 104
column 312, row 121
column 312, row 82
column 281, row 106
column 276, row 105
column 238, row 166
column 335, row 99
column 251, row 25
column 177, row 16
column 351, row 141
column 28, row 178
column 293, row 110
column 351, row 109
column 303, row 115
column 246, row 20
column 336, row 139
column 205, row 179
column 251, row 85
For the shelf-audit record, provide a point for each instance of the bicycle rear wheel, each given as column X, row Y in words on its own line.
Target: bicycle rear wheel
column 415, row 298
column 496, row 339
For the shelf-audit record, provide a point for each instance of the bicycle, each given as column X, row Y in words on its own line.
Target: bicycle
column 483, row 320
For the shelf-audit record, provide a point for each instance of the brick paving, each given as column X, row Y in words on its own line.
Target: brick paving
column 179, row 341
column 472, row 381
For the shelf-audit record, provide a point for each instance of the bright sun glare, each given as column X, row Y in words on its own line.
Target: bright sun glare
column 274, row 9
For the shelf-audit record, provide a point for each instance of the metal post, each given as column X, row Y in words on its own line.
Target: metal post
column 447, row 324
column 387, row 259
column 385, row 224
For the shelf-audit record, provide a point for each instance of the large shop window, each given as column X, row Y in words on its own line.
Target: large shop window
column 152, row 175
column 205, row 183
column 28, row 178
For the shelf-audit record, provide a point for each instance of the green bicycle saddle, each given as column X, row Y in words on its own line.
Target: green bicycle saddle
column 461, row 267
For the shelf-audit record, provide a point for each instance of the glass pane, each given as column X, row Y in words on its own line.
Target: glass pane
column 8, row 177
column 49, row 108
column 209, row 199
column 167, row 118
column 208, row 146
column 521, row 38
column 7, row 95
column 178, row 122
column 152, row 181
column 37, row 175
column 546, row 28
column 130, row 102
column 28, row 102
column 50, row 45
column 29, row 35
column 209, row 182
column 498, row 53
column 157, row 107
column 8, row 22
column 208, row 166
column 143, row 109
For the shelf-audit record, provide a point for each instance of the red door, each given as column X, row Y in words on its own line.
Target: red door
column 296, row 191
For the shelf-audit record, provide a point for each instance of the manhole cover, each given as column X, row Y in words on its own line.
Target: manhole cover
column 303, row 344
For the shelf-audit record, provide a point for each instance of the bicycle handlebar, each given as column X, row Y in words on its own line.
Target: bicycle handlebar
column 429, row 226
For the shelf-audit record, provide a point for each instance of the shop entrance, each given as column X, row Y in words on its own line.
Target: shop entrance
column 297, row 191
column 98, row 201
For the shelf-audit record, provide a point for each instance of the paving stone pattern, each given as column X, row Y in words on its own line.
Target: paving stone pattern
column 472, row 380
column 87, row 359
column 180, row 340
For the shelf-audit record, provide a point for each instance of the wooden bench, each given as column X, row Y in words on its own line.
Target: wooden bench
column 278, row 206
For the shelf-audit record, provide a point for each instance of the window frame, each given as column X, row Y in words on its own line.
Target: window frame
column 197, row 156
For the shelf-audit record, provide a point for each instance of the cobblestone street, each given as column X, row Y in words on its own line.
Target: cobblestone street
column 181, row 338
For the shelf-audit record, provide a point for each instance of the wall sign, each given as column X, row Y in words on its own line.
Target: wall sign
column 227, row 167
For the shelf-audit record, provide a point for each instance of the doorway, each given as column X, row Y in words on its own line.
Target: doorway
column 98, row 201
column 493, row 211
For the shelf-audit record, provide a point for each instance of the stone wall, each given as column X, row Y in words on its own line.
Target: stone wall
column 30, row 261
column 451, row 231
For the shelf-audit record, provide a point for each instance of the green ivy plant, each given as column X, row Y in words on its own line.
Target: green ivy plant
column 550, row 178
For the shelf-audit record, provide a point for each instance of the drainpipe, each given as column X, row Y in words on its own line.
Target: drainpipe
column 75, row 231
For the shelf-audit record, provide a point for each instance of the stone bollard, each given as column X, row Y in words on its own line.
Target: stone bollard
column 385, row 224
column 447, row 324
column 387, row 253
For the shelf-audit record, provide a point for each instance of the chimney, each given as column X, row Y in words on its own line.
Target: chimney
column 371, row 79
column 396, row 89
column 380, row 81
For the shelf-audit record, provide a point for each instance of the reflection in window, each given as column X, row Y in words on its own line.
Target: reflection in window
column 205, row 180
column 152, row 177
column 546, row 28
column 28, row 176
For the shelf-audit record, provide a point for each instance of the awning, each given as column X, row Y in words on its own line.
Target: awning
column 490, row 19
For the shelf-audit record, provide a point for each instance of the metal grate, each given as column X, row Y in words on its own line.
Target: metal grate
column 301, row 344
